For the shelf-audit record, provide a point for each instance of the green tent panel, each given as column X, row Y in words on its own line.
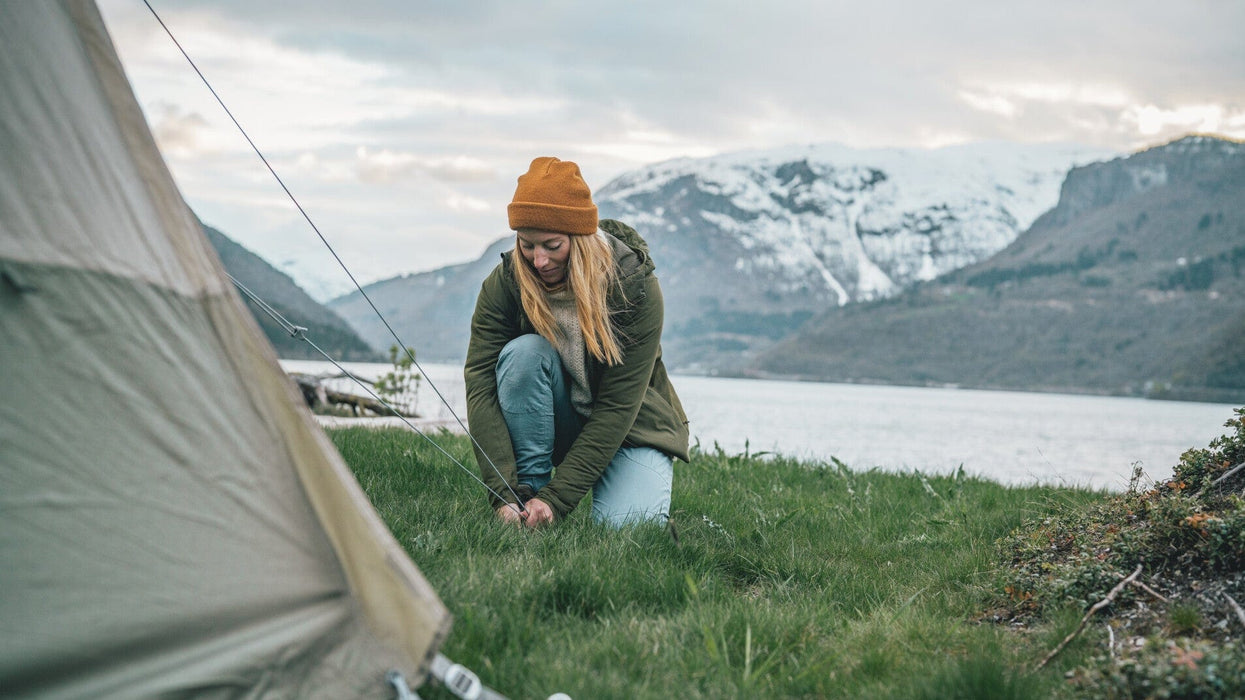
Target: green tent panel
column 172, row 520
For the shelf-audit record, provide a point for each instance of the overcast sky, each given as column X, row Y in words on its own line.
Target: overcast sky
column 401, row 125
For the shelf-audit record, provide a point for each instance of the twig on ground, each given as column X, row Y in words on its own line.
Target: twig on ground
column 1149, row 590
column 1096, row 607
column 1110, row 640
column 1240, row 614
column 1226, row 475
column 1222, row 478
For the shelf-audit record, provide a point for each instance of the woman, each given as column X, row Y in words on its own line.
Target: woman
column 566, row 390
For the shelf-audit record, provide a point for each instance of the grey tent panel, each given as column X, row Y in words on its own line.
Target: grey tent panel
column 174, row 522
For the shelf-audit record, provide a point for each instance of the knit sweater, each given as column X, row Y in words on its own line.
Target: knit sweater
column 570, row 346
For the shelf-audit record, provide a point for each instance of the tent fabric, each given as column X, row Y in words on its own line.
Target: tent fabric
column 174, row 521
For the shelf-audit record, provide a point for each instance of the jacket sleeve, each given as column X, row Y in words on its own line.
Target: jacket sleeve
column 617, row 402
column 494, row 323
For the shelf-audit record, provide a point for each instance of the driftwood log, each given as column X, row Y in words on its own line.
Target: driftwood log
column 318, row 396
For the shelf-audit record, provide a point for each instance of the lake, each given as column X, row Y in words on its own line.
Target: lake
column 1007, row 436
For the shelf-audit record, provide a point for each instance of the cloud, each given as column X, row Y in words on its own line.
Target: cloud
column 458, row 202
column 984, row 101
column 1007, row 99
column 706, row 79
column 1101, row 110
column 175, row 131
column 386, row 167
column 1151, row 120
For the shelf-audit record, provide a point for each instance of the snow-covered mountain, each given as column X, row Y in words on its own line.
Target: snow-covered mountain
column 749, row 245
column 838, row 225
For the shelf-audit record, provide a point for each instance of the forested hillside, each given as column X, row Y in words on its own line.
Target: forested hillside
column 325, row 328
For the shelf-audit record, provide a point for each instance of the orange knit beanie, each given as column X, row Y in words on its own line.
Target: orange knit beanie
column 552, row 196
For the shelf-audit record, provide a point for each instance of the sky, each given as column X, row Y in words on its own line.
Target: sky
column 401, row 125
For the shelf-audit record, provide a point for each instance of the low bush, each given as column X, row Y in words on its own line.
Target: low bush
column 1179, row 627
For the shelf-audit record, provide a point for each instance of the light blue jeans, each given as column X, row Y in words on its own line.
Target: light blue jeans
column 535, row 396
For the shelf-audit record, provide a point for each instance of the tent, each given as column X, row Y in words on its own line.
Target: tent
column 174, row 523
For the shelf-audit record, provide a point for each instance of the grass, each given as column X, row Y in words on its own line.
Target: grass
column 777, row 579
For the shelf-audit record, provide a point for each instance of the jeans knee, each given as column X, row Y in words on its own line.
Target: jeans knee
column 524, row 349
column 526, row 378
column 636, row 486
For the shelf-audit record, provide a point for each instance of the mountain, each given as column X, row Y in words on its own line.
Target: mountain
column 750, row 245
column 324, row 327
column 1131, row 285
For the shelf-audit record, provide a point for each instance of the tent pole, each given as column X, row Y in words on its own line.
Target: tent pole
column 458, row 679
column 398, row 681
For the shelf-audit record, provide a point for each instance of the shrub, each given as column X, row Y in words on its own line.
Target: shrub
column 1188, row 535
column 1168, row 669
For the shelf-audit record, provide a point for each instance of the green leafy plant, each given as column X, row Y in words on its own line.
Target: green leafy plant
column 400, row 386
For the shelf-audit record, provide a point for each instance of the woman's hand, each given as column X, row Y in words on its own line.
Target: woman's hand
column 510, row 514
column 539, row 513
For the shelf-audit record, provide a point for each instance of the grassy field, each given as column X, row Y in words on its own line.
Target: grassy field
column 777, row 579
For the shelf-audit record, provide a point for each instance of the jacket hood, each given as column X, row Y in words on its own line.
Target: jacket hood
column 632, row 256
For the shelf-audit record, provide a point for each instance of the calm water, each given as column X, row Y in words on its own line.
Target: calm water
column 1012, row 437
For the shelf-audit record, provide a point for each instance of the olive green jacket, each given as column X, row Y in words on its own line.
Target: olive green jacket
column 634, row 403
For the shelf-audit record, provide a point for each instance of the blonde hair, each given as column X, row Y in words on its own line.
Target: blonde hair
column 589, row 276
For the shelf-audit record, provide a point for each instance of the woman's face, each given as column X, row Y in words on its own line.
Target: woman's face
column 547, row 252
